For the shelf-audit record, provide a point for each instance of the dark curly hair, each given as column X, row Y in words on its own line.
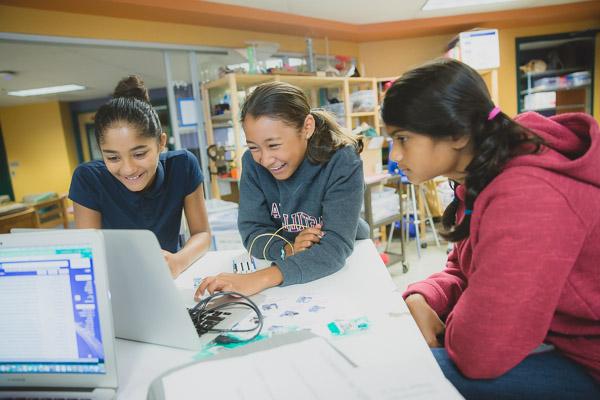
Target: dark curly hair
column 446, row 98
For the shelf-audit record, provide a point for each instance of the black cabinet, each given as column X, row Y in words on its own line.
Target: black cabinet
column 555, row 73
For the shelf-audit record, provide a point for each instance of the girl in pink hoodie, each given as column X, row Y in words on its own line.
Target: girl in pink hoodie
column 515, row 314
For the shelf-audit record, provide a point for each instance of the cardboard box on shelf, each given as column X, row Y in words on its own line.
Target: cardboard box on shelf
column 371, row 155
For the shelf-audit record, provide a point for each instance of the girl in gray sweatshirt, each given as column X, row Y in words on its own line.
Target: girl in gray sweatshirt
column 302, row 180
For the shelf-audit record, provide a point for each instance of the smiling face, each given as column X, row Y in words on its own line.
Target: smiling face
column 277, row 146
column 130, row 157
column 422, row 157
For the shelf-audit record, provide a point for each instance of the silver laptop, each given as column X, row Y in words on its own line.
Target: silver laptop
column 56, row 329
column 147, row 306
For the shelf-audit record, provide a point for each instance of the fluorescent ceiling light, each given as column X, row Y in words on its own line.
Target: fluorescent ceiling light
column 46, row 90
column 441, row 4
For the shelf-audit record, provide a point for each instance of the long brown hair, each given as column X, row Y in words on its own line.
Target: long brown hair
column 446, row 98
column 288, row 103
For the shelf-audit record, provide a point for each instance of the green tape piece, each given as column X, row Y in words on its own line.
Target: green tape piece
column 333, row 328
column 341, row 327
column 214, row 348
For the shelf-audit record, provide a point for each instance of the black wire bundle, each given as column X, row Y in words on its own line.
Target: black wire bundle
column 202, row 309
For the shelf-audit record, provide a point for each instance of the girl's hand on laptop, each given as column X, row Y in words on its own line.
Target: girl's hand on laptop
column 246, row 284
column 305, row 240
column 427, row 320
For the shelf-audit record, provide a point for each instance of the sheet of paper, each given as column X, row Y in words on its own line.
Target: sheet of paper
column 383, row 383
column 311, row 369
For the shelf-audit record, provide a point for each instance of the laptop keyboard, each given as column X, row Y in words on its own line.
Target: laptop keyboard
column 205, row 321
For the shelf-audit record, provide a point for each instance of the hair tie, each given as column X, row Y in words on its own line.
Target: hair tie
column 468, row 212
column 495, row 111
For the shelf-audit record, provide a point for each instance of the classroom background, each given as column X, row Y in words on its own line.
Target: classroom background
column 201, row 59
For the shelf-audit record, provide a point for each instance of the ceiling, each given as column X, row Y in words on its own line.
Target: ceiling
column 377, row 11
column 348, row 20
column 96, row 68
column 99, row 68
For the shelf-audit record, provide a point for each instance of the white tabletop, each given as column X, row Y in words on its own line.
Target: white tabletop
column 363, row 282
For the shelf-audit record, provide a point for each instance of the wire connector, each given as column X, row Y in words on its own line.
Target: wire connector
column 244, row 264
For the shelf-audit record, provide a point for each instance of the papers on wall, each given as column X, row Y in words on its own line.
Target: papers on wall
column 310, row 369
column 187, row 112
column 480, row 48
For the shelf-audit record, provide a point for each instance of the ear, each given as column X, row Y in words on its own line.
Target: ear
column 309, row 126
column 162, row 142
column 460, row 142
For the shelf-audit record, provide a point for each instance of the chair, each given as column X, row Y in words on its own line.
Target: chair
column 50, row 213
column 413, row 207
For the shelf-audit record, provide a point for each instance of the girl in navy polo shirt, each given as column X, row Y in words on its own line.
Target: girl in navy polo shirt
column 136, row 185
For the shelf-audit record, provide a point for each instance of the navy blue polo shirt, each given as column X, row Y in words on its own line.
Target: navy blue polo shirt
column 157, row 208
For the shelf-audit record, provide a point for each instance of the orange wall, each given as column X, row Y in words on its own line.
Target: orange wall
column 39, row 137
column 379, row 59
column 39, row 146
column 393, row 57
column 40, row 22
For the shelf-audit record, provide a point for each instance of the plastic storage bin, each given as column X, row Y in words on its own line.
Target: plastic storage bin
column 581, row 78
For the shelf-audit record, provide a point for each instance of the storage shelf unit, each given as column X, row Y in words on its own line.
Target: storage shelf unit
column 374, row 183
column 235, row 87
column 555, row 73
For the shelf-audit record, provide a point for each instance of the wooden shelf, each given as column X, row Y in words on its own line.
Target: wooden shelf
column 352, row 80
column 242, row 80
column 363, row 114
column 551, row 72
column 235, row 84
column 308, row 82
column 298, row 80
column 221, row 118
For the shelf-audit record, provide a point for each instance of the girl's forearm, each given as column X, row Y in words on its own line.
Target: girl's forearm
column 194, row 248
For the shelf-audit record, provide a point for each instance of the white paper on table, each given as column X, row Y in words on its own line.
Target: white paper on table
column 311, row 369
column 384, row 383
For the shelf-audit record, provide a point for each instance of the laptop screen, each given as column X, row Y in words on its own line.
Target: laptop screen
column 49, row 308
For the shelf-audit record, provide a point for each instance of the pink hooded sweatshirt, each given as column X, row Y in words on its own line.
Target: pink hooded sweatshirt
column 530, row 270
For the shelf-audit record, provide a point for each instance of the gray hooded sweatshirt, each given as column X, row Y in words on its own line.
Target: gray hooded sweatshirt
column 330, row 194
